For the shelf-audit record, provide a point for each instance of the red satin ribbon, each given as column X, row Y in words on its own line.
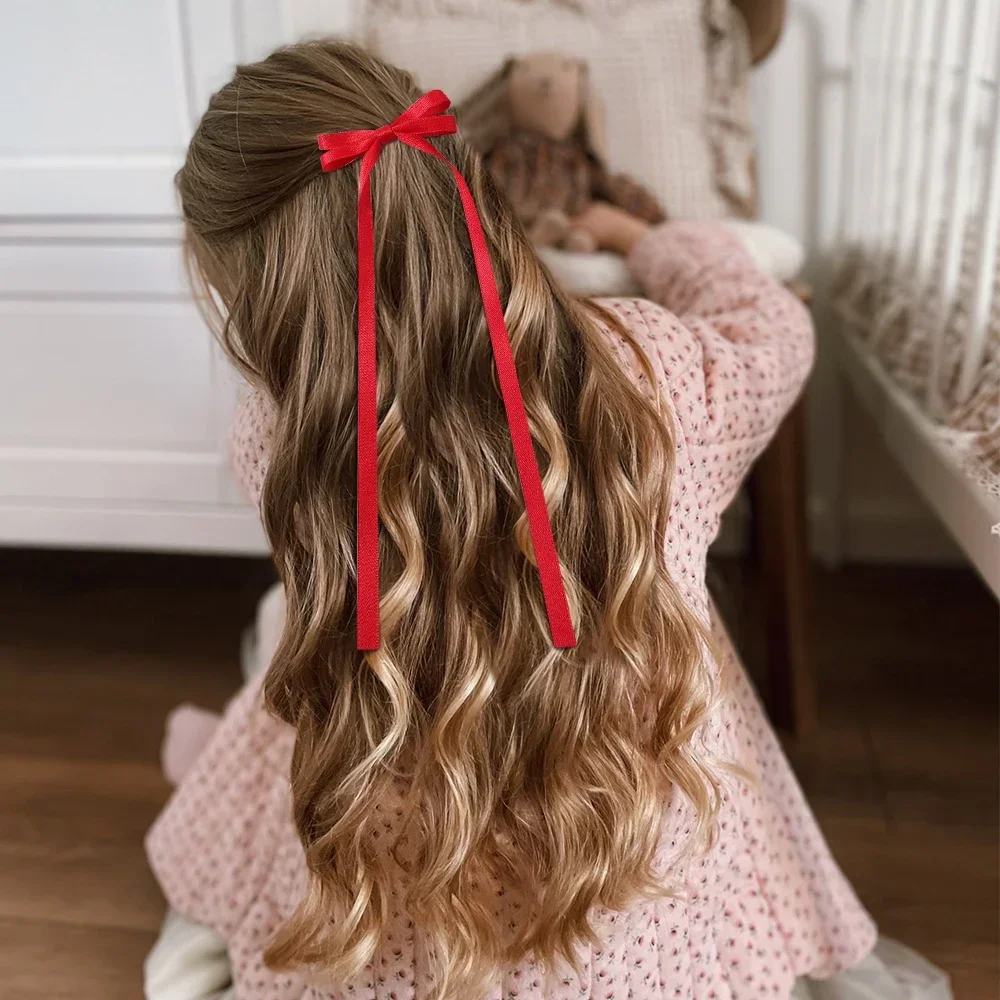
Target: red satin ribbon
column 426, row 118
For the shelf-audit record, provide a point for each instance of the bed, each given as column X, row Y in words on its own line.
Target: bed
column 917, row 288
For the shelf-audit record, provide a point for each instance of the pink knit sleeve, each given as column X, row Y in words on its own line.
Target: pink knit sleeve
column 250, row 441
column 735, row 346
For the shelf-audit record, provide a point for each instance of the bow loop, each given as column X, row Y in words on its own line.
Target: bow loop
column 425, row 118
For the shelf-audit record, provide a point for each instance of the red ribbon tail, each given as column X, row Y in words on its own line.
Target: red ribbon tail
column 425, row 117
column 367, row 537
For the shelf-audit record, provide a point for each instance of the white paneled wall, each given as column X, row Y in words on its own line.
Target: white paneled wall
column 114, row 402
column 80, row 137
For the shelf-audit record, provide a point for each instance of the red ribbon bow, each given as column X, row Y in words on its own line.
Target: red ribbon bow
column 424, row 118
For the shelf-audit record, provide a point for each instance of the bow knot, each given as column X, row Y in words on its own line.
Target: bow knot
column 385, row 134
column 425, row 118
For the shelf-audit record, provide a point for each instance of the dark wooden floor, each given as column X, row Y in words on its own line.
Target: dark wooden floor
column 95, row 649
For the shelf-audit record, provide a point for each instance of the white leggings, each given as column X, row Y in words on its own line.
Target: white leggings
column 188, row 962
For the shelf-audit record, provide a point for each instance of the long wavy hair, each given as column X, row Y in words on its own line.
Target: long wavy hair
column 541, row 771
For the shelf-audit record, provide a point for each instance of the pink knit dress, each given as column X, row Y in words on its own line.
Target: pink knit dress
column 766, row 904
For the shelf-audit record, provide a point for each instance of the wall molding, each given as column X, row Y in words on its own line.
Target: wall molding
column 234, row 530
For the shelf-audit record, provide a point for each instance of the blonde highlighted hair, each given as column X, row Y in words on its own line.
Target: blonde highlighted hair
column 541, row 771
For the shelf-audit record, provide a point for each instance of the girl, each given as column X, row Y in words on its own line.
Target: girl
column 504, row 747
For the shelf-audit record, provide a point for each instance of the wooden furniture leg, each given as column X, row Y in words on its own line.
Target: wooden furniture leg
column 778, row 499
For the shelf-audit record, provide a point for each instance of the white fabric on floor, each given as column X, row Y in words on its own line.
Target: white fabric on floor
column 188, row 962
column 890, row 972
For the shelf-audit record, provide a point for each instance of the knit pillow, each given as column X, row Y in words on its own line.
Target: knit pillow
column 606, row 274
column 673, row 76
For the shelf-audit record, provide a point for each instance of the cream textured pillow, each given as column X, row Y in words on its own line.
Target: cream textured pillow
column 671, row 74
column 773, row 251
column 596, row 275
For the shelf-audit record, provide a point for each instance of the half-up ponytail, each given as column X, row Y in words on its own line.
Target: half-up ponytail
column 466, row 756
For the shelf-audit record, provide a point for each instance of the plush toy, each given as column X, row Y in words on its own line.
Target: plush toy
column 765, row 20
column 540, row 129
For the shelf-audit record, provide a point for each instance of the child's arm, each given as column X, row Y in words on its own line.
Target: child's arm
column 735, row 347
